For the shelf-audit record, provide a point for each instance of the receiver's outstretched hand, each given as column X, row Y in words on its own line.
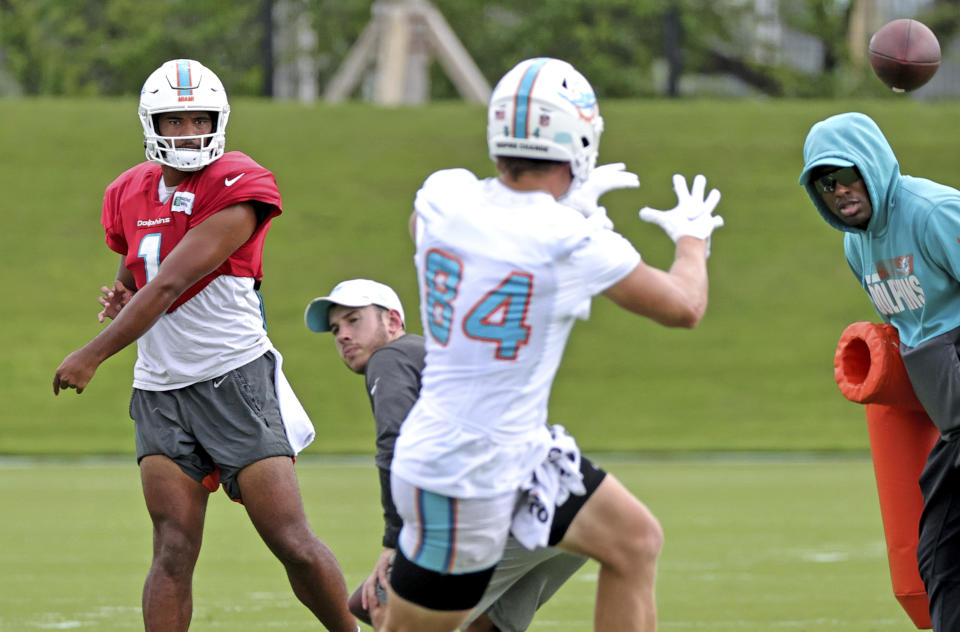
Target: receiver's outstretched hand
column 692, row 216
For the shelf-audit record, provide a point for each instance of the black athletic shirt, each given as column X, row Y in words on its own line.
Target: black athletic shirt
column 393, row 384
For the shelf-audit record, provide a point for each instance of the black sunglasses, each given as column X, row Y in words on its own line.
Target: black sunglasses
column 827, row 183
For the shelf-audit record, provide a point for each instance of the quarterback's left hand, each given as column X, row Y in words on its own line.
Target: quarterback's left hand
column 113, row 300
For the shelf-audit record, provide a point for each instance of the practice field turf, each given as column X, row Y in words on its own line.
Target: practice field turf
column 771, row 542
column 789, row 542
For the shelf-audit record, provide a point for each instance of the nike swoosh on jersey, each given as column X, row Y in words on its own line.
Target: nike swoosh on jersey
column 229, row 182
column 373, row 389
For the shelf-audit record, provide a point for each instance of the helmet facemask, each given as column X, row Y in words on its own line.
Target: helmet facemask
column 183, row 85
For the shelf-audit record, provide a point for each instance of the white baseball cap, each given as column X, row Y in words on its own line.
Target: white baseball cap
column 352, row 293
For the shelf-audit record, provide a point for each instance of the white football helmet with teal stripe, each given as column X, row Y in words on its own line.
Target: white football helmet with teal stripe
column 183, row 85
column 544, row 109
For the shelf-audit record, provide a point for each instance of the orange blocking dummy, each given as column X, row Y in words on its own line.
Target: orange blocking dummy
column 869, row 370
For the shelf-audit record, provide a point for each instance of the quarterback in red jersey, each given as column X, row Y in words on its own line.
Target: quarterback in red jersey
column 134, row 216
column 210, row 402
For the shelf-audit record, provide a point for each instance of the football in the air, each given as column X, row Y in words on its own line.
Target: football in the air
column 904, row 54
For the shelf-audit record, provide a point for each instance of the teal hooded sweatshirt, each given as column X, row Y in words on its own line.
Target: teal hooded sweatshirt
column 908, row 256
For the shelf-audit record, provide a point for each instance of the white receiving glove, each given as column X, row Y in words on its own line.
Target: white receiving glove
column 691, row 217
column 603, row 179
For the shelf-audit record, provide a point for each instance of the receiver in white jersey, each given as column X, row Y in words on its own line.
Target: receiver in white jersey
column 503, row 275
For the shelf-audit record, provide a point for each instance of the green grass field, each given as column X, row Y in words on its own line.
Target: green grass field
column 752, row 544
column 781, row 533
column 756, row 375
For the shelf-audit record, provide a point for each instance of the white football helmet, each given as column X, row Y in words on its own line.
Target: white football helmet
column 183, row 85
column 543, row 108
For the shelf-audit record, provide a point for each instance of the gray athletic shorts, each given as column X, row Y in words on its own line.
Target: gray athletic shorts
column 522, row 582
column 216, row 428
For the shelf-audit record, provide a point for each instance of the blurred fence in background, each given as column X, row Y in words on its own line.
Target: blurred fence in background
column 411, row 51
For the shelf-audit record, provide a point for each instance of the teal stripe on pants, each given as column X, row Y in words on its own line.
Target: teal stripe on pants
column 438, row 520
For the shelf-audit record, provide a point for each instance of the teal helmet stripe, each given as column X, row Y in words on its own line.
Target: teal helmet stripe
column 522, row 102
column 183, row 78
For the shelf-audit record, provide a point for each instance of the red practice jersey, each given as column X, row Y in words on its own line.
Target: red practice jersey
column 145, row 230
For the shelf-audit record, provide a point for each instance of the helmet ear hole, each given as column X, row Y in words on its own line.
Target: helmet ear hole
column 585, row 141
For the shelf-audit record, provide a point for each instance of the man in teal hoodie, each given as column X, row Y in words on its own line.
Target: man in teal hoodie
column 902, row 241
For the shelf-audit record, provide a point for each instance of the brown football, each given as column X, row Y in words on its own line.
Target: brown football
column 904, row 54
